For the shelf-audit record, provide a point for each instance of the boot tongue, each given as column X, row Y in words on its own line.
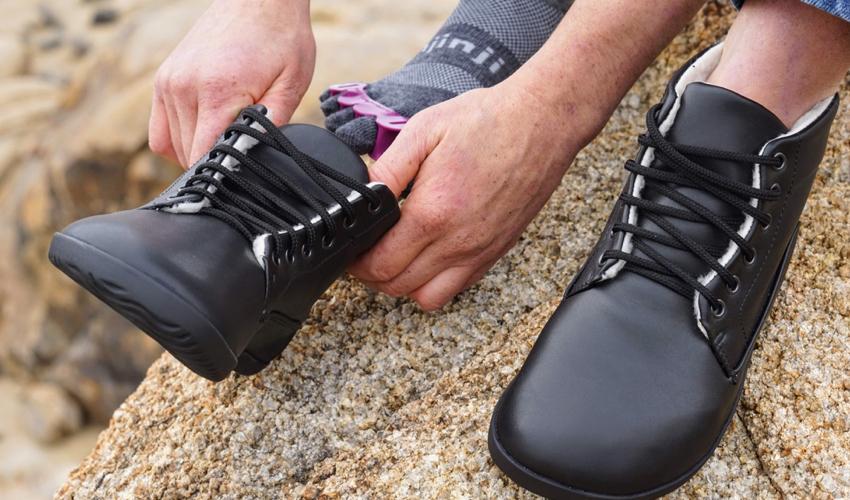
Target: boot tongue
column 326, row 145
column 716, row 118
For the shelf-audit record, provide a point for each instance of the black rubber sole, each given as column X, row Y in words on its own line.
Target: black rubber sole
column 175, row 324
column 549, row 488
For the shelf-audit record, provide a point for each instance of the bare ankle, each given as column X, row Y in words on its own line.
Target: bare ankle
column 785, row 55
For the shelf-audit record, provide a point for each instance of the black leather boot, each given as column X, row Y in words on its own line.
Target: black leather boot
column 224, row 266
column 634, row 379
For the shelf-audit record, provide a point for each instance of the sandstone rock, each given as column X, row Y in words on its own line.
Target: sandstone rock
column 376, row 399
column 70, row 124
column 49, row 413
column 13, row 56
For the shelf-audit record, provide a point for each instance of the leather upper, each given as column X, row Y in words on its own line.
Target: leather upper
column 213, row 267
column 623, row 393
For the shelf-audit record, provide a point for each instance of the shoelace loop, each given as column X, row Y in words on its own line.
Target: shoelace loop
column 686, row 172
column 254, row 209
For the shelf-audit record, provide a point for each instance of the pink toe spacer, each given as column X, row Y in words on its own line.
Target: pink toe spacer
column 390, row 123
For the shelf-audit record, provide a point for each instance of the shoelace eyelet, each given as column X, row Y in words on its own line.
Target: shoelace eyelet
column 374, row 209
column 328, row 243
column 784, row 159
column 734, row 289
column 720, row 310
column 752, row 259
column 776, row 188
column 306, row 252
column 290, row 257
column 348, row 223
column 766, row 226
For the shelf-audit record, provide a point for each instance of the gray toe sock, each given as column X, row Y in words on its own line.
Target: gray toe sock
column 482, row 43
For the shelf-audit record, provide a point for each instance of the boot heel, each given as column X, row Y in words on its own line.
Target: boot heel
column 267, row 344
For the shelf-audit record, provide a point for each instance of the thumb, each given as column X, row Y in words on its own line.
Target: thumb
column 400, row 163
column 281, row 99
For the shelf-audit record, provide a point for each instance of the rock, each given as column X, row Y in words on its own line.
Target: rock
column 375, row 399
column 104, row 16
column 13, row 56
column 73, row 132
column 49, row 413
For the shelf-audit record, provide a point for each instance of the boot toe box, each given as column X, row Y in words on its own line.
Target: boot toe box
column 600, row 409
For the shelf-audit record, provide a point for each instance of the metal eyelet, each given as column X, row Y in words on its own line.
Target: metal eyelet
column 290, row 257
column 374, row 210
column 720, row 310
column 306, row 252
column 750, row 260
column 776, row 188
column 328, row 243
column 737, row 285
column 784, row 159
column 765, row 227
column 348, row 224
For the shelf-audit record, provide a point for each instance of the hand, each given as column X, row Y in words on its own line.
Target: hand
column 240, row 52
column 485, row 163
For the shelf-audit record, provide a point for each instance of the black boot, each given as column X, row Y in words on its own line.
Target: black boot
column 636, row 376
column 224, row 266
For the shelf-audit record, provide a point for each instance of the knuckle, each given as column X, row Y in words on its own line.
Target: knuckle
column 393, row 289
column 157, row 145
column 178, row 83
column 429, row 302
column 213, row 87
column 380, row 273
column 388, row 176
column 432, row 218
column 160, row 79
column 376, row 268
column 474, row 246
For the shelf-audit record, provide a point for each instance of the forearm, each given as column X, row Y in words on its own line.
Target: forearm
column 291, row 16
column 595, row 56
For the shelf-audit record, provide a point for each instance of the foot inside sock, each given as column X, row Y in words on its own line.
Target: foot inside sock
column 482, row 43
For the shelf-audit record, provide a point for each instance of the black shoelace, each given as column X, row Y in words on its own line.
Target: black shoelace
column 682, row 171
column 254, row 209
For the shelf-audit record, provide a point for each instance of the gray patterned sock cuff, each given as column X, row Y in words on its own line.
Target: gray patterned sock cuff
column 482, row 43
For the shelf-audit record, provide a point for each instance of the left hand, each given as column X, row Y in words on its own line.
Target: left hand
column 485, row 162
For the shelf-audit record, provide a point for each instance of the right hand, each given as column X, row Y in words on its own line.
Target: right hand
column 239, row 53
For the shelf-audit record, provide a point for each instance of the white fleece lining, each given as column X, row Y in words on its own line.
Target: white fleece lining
column 804, row 121
column 243, row 144
column 697, row 72
column 260, row 244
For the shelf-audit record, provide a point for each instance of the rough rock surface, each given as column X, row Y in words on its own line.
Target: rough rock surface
column 377, row 399
column 74, row 97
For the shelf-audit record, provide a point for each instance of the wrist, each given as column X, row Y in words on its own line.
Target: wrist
column 558, row 102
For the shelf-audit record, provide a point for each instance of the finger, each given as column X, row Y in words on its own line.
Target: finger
column 187, row 114
column 440, row 290
column 174, row 132
column 212, row 121
column 430, row 262
column 415, row 230
column 392, row 254
column 159, row 134
column 400, row 163
column 282, row 100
